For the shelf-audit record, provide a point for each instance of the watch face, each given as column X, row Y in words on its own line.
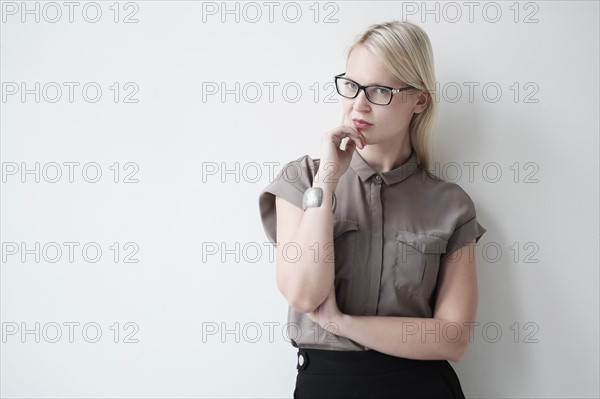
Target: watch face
column 313, row 197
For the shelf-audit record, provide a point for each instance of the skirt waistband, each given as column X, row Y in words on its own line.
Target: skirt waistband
column 322, row 361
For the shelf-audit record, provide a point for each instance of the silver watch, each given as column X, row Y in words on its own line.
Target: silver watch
column 313, row 198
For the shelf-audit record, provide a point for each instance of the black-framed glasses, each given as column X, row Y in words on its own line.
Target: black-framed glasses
column 379, row 95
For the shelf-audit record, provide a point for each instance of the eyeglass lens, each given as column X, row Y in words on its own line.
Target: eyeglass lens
column 376, row 94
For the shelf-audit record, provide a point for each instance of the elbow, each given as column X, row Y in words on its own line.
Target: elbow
column 302, row 306
column 301, row 299
column 458, row 350
column 304, row 303
column 455, row 344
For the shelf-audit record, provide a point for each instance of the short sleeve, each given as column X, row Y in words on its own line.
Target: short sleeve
column 290, row 184
column 467, row 227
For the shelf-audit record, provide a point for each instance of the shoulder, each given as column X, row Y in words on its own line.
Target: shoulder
column 304, row 164
column 454, row 210
column 290, row 183
column 453, row 197
column 298, row 172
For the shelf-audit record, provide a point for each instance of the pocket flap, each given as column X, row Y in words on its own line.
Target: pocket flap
column 341, row 226
column 422, row 242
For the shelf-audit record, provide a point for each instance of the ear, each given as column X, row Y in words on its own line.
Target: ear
column 424, row 99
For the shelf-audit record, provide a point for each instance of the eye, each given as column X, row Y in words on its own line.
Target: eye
column 382, row 90
column 350, row 85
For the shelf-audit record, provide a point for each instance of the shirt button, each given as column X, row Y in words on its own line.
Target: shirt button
column 300, row 360
column 378, row 178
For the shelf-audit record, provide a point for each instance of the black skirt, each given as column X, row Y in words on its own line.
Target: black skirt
column 370, row 374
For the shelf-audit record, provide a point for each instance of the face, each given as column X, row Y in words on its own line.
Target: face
column 389, row 123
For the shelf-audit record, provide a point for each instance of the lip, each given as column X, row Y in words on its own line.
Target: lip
column 361, row 124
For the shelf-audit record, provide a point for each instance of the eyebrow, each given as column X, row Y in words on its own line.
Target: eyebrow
column 369, row 84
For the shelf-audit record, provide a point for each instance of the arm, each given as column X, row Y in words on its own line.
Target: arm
column 306, row 280
column 303, row 279
column 444, row 336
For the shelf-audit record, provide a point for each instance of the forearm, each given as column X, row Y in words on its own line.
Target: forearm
column 408, row 337
column 308, row 258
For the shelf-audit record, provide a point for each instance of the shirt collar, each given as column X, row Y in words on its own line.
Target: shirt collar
column 365, row 171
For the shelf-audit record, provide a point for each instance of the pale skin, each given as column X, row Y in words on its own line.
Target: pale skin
column 384, row 145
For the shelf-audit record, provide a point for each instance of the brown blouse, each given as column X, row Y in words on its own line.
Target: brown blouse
column 391, row 231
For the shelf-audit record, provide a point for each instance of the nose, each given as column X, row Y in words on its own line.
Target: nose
column 360, row 101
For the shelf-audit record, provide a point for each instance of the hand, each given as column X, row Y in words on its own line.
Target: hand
column 334, row 161
column 327, row 312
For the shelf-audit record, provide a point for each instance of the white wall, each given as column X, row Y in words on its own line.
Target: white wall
column 538, row 261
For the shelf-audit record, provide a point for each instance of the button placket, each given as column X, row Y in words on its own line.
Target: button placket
column 376, row 257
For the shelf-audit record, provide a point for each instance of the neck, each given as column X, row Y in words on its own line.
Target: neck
column 385, row 158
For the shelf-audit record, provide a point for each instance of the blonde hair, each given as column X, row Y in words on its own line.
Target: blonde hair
column 405, row 50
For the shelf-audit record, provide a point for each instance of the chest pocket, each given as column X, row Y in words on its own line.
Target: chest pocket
column 345, row 237
column 417, row 262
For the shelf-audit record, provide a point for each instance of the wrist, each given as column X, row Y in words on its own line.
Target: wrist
column 325, row 182
column 340, row 321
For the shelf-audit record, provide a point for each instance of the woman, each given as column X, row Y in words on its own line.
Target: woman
column 379, row 313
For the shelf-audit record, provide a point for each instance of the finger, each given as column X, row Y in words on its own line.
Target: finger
column 356, row 142
column 354, row 132
column 350, row 144
column 342, row 132
column 350, row 131
column 360, row 142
